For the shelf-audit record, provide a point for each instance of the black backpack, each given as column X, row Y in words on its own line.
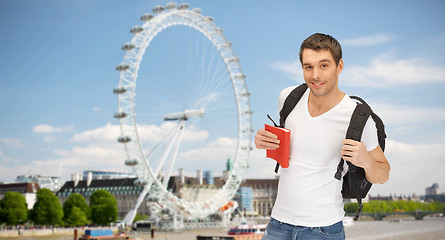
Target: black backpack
column 355, row 184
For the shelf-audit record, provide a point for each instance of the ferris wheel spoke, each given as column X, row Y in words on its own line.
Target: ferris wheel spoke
column 174, row 153
column 167, row 151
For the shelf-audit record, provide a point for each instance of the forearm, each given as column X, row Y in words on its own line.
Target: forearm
column 377, row 169
column 374, row 162
column 378, row 172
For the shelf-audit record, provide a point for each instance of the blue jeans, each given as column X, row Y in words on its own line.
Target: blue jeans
column 277, row 230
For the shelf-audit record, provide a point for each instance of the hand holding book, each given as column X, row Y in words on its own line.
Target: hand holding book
column 281, row 154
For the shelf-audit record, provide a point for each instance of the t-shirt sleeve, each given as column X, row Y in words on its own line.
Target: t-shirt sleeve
column 283, row 95
column 369, row 135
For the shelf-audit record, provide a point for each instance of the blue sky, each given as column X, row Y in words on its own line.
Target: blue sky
column 58, row 60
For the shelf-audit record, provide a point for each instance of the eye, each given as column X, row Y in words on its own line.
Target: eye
column 308, row 67
column 324, row 65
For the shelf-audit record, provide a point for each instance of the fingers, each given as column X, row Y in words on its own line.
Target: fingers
column 349, row 149
column 350, row 142
column 266, row 140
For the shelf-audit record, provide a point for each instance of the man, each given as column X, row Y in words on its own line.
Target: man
column 309, row 203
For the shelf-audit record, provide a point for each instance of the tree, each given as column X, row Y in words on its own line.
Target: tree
column 351, row 207
column 71, row 208
column 13, row 208
column 103, row 207
column 77, row 217
column 47, row 209
column 139, row 217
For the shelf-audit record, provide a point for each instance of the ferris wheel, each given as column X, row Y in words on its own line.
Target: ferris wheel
column 192, row 111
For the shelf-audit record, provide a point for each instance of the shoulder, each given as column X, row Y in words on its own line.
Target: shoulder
column 348, row 103
column 285, row 92
column 283, row 95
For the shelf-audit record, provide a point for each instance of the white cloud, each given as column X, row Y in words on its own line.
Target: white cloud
column 413, row 167
column 44, row 128
column 48, row 139
column 219, row 148
column 371, row 40
column 401, row 115
column 107, row 133
column 384, row 71
column 110, row 133
column 100, row 156
column 291, row 69
column 96, row 109
column 95, row 149
column 12, row 142
column 98, row 151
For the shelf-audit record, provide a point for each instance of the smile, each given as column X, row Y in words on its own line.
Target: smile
column 317, row 85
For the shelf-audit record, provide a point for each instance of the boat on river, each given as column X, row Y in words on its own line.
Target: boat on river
column 242, row 231
column 104, row 234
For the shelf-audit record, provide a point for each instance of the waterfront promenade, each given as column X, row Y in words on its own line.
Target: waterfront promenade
column 427, row 229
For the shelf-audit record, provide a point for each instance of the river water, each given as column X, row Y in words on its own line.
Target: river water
column 407, row 229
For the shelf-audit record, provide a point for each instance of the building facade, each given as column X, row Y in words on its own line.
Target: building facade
column 123, row 189
column 28, row 190
column 53, row 183
column 264, row 194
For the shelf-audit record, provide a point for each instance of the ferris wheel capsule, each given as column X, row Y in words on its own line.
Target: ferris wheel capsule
column 131, row 162
column 166, row 211
column 123, row 139
column 158, row 9
column 140, row 182
column 245, row 94
column 152, row 198
column 128, row 46
column 234, row 59
column 239, row 76
column 184, row 6
column 136, row 29
column 225, row 45
column 122, row 67
column 197, row 10
column 147, row 17
column 119, row 90
column 171, row 5
column 120, row 115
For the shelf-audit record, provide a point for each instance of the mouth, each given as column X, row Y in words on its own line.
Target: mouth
column 317, row 84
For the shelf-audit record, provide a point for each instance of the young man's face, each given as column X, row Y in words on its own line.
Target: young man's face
column 320, row 71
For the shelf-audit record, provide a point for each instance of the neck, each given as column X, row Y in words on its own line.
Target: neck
column 319, row 105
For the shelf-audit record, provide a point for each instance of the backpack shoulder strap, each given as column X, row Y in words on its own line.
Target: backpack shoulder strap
column 381, row 135
column 291, row 101
column 289, row 104
column 355, row 129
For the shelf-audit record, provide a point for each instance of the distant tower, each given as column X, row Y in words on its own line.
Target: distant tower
column 433, row 190
column 229, row 165
column 208, row 176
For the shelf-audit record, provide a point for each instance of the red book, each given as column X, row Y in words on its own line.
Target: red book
column 281, row 154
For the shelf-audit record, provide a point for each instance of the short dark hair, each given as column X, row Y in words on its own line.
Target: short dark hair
column 318, row 41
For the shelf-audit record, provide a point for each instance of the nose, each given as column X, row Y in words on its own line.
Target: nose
column 316, row 74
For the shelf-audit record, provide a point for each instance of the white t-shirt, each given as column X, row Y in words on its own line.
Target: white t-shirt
column 308, row 193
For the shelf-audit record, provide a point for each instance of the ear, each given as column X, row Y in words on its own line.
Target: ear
column 340, row 67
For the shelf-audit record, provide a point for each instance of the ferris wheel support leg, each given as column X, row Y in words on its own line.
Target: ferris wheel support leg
column 128, row 219
column 174, row 155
